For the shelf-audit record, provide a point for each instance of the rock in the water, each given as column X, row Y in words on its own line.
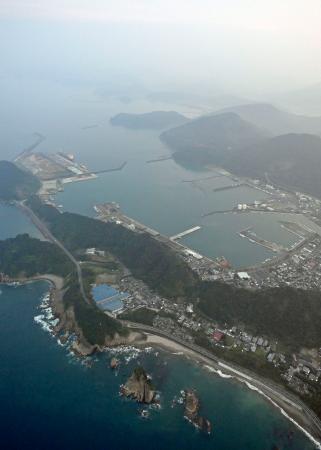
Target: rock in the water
column 139, row 387
column 191, row 412
column 114, row 363
column 192, row 405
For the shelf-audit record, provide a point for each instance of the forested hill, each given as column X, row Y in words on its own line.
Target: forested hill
column 157, row 120
column 24, row 256
column 292, row 161
column 148, row 259
column 16, row 184
column 211, row 139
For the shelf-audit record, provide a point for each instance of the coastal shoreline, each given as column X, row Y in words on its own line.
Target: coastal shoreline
column 67, row 324
column 291, row 412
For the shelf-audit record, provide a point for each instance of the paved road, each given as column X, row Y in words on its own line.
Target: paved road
column 266, row 386
column 48, row 235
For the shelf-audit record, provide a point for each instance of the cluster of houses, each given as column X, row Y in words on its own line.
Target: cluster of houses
column 302, row 270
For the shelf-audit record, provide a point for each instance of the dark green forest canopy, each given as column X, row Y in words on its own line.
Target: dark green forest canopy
column 16, row 184
column 147, row 258
column 26, row 256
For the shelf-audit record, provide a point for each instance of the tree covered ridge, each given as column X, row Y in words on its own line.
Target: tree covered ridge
column 147, row 258
column 25, row 256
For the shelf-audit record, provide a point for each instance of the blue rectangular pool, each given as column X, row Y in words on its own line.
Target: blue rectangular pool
column 102, row 291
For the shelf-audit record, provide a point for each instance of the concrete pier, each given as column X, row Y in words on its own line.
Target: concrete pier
column 185, row 233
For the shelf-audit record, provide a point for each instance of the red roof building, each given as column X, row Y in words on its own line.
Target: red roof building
column 218, row 336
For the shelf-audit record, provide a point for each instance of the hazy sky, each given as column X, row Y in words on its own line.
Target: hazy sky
column 242, row 46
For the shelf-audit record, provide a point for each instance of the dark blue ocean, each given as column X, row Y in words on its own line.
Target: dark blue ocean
column 50, row 400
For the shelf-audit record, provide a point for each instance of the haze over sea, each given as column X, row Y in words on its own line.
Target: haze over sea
column 51, row 398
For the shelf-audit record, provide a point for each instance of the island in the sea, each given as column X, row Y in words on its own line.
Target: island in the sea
column 156, row 120
column 139, row 387
column 191, row 411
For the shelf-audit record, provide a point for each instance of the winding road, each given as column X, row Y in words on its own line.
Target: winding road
column 50, row 237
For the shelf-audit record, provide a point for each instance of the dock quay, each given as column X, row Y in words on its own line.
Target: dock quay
column 110, row 212
column 198, row 180
column 251, row 210
column 185, row 233
column 252, row 237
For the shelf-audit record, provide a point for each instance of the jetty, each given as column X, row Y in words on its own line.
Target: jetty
column 27, row 150
column 185, row 233
column 115, row 169
column 163, row 158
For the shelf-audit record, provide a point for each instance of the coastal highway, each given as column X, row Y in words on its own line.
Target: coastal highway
column 49, row 236
column 269, row 388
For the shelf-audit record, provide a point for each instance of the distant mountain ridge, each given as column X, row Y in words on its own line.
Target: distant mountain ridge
column 211, row 139
column 274, row 120
column 306, row 100
column 291, row 160
column 152, row 120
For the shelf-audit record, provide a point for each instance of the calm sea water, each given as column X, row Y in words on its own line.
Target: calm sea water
column 13, row 222
column 49, row 400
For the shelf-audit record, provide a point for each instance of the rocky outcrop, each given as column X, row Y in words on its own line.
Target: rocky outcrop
column 114, row 363
column 192, row 405
column 139, row 387
column 191, row 412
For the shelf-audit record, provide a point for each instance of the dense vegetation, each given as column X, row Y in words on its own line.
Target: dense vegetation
column 147, row 258
column 211, row 139
column 141, row 315
column 94, row 324
column 16, row 184
column 293, row 316
column 290, row 315
column 25, row 256
column 292, row 160
column 154, row 120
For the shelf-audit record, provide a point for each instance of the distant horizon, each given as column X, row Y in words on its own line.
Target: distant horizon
column 241, row 47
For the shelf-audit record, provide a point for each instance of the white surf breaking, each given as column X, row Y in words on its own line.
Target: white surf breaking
column 260, row 392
